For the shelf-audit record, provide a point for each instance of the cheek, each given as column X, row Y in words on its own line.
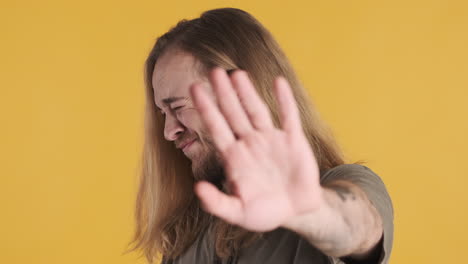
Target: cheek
column 191, row 119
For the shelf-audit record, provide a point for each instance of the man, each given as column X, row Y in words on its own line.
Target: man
column 238, row 167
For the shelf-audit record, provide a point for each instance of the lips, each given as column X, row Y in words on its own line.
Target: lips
column 186, row 146
column 182, row 144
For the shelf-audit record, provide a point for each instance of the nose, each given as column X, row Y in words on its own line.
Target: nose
column 172, row 128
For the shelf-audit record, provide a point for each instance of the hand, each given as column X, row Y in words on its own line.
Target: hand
column 272, row 172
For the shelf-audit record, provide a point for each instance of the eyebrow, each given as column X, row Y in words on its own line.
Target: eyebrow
column 170, row 100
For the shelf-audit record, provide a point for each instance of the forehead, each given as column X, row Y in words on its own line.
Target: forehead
column 173, row 74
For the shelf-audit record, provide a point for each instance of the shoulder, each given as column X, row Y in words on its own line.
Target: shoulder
column 356, row 173
column 367, row 179
column 351, row 167
column 372, row 184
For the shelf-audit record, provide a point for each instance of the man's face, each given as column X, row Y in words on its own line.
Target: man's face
column 174, row 73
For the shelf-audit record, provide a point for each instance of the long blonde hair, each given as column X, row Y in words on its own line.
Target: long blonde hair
column 168, row 215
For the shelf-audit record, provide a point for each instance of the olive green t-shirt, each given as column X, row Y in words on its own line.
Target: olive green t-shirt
column 282, row 246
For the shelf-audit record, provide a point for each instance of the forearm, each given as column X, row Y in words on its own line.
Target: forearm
column 347, row 224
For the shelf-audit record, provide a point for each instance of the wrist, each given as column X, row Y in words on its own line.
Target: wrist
column 314, row 217
column 324, row 227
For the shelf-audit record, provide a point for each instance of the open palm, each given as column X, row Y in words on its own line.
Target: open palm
column 272, row 172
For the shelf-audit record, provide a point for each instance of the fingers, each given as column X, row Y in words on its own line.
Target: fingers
column 238, row 113
column 218, row 203
column 257, row 111
column 229, row 103
column 289, row 113
column 215, row 123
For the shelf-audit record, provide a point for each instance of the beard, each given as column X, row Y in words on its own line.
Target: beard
column 209, row 166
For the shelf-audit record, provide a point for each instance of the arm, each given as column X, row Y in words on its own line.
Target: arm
column 346, row 224
column 274, row 177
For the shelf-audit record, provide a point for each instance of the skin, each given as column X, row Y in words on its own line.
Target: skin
column 272, row 172
column 174, row 73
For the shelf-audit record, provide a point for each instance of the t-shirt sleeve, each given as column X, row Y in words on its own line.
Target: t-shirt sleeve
column 376, row 192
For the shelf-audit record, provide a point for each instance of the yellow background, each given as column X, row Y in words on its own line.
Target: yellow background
column 390, row 77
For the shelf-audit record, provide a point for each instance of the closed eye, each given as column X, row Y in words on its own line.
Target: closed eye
column 173, row 109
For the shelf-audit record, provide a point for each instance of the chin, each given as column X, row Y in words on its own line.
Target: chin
column 208, row 169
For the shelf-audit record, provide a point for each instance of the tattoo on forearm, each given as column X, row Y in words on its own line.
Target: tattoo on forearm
column 343, row 192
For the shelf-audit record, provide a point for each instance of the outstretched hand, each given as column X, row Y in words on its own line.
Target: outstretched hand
column 272, row 172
